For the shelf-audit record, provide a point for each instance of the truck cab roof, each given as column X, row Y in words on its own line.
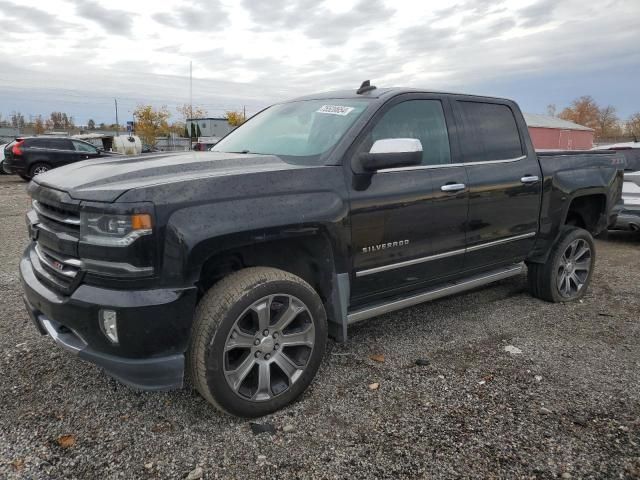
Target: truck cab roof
column 385, row 93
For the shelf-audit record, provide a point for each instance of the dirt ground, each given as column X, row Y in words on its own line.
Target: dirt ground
column 567, row 406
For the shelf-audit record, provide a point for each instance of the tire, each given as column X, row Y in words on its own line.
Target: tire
column 25, row 178
column 566, row 275
column 227, row 326
column 38, row 169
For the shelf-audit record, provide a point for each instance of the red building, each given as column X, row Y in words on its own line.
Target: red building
column 552, row 133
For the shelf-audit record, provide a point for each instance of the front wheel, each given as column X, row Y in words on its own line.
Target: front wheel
column 258, row 339
column 567, row 274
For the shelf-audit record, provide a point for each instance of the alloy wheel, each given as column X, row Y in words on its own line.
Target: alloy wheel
column 40, row 169
column 268, row 347
column 573, row 270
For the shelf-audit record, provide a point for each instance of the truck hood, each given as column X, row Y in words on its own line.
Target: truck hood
column 106, row 179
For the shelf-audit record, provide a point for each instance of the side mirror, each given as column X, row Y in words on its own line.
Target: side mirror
column 392, row 153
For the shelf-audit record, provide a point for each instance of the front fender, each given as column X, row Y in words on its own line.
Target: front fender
column 194, row 234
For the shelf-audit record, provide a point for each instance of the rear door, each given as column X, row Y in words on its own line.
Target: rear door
column 505, row 184
column 407, row 231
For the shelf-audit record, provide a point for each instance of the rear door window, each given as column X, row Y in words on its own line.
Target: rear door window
column 50, row 143
column 490, row 132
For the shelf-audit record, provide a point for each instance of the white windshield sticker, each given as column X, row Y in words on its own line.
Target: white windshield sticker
column 335, row 110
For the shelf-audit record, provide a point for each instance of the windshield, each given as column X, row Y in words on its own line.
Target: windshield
column 297, row 131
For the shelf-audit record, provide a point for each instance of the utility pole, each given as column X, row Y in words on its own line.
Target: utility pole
column 115, row 100
column 190, row 99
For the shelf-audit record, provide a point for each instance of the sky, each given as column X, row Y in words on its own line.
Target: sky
column 76, row 56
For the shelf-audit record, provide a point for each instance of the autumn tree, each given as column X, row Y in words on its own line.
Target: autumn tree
column 187, row 111
column 151, row 123
column 38, row 125
column 633, row 126
column 60, row 121
column 608, row 123
column 235, row 118
column 583, row 111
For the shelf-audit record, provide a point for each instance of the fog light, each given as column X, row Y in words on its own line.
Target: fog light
column 109, row 324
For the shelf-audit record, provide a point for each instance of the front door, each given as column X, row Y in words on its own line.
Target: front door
column 408, row 231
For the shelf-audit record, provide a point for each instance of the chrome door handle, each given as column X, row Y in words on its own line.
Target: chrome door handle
column 453, row 187
column 530, row 179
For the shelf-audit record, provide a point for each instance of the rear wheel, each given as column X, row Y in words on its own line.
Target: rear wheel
column 567, row 274
column 38, row 169
column 258, row 339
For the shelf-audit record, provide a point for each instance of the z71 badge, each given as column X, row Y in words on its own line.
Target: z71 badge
column 384, row 246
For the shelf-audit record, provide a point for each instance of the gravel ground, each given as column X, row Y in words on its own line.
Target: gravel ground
column 567, row 406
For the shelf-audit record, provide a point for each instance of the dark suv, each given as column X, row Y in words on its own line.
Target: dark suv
column 32, row 156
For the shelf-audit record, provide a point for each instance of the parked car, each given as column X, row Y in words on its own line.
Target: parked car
column 2, row 172
column 31, row 156
column 235, row 266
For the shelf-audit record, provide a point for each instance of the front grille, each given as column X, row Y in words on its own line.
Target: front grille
column 54, row 255
column 57, row 217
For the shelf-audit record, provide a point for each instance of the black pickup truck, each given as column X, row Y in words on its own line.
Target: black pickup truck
column 232, row 267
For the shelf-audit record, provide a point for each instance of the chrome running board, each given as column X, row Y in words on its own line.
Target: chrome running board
column 439, row 292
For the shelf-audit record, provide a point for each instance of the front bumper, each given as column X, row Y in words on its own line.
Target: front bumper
column 153, row 328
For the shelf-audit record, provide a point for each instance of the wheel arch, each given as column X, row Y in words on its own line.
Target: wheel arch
column 308, row 252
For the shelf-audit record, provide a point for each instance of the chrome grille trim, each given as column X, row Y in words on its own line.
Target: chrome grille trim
column 70, row 267
column 41, row 209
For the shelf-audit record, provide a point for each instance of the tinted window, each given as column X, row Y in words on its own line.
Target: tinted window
column 490, row 132
column 84, row 147
column 421, row 119
column 52, row 143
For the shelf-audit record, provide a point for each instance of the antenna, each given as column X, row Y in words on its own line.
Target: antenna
column 365, row 87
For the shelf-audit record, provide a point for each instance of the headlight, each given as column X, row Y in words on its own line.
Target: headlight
column 114, row 230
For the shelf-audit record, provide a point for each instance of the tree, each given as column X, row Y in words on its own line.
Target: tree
column 187, row 111
column 583, row 111
column 91, row 125
column 633, row 126
column 608, row 123
column 552, row 110
column 234, row 118
column 38, row 125
column 60, row 121
column 151, row 123
column 17, row 120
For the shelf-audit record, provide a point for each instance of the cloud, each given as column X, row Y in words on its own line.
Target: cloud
column 316, row 21
column 537, row 13
column 19, row 17
column 257, row 52
column 113, row 21
column 204, row 17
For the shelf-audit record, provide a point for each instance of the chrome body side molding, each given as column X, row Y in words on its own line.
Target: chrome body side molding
column 415, row 261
